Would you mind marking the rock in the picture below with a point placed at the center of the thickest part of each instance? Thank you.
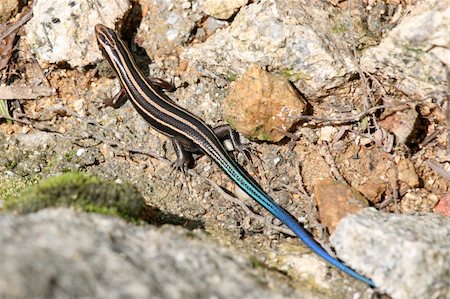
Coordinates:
(407, 173)
(300, 265)
(59, 253)
(407, 256)
(327, 133)
(418, 200)
(63, 31)
(7, 9)
(373, 190)
(35, 140)
(443, 206)
(335, 201)
(222, 9)
(279, 35)
(262, 106)
(166, 26)
(415, 54)
(400, 123)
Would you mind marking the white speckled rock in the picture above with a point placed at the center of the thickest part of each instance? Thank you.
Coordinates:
(166, 25)
(416, 52)
(276, 34)
(63, 30)
(407, 256)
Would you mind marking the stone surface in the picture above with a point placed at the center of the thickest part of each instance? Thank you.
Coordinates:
(63, 31)
(279, 35)
(262, 106)
(7, 9)
(59, 253)
(373, 190)
(222, 9)
(407, 256)
(418, 200)
(407, 173)
(415, 53)
(335, 201)
(400, 123)
(443, 206)
(166, 26)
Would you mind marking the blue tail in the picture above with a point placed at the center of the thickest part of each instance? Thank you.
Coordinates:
(249, 186)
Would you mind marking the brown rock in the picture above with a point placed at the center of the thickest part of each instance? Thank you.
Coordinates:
(443, 206)
(373, 190)
(7, 9)
(407, 173)
(262, 106)
(400, 123)
(336, 200)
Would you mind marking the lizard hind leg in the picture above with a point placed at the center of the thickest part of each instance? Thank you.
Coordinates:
(225, 132)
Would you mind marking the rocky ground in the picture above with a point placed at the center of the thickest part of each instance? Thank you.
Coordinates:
(345, 108)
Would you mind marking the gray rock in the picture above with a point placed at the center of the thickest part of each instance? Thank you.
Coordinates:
(59, 253)
(63, 31)
(407, 256)
(277, 34)
(415, 53)
(166, 26)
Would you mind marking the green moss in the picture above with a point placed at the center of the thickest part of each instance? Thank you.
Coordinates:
(230, 77)
(232, 122)
(12, 187)
(83, 192)
(261, 134)
(10, 164)
(292, 75)
(412, 49)
(69, 155)
(255, 262)
(51, 163)
(339, 28)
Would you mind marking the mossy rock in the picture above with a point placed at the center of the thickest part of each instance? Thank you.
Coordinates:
(82, 192)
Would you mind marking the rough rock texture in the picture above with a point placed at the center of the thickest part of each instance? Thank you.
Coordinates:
(407, 256)
(277, 34)
(336, 200)
(63, 30)
(7, 9)
(415, 53)
(166, 25)
(221, 9)
(400, 123)
(59, 253)
(263, 106)
(443, 206)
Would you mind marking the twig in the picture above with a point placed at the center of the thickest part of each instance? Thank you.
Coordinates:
(394, 197)
(447, 115)
(353, 118)
(438, 168)
(25, 92)
(340, 133)
(430, 138)
(324, 151)
(25, 18)
(366, 89)
(131, 149)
